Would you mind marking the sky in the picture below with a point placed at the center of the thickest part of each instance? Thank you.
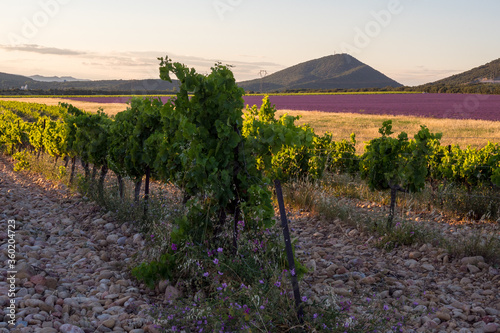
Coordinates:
(411, 41)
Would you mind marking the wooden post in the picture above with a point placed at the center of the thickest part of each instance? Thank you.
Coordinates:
(137, 190)
(146, 191)
(41, 139)
(289, 252)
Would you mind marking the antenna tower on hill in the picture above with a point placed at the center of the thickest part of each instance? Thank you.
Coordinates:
(262, 74)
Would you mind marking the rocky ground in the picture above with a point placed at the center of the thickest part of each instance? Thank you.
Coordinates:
(71, 276)
(419, 288)
(70, 260)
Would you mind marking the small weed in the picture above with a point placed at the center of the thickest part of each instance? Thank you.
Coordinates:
(301, 194)
(62, 172)
(404, 233)
(476, 244)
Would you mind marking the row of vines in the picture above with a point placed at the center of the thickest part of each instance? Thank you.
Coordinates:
(224, 158)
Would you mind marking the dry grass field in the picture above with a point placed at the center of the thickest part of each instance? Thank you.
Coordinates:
(475, 133)
(109, 108)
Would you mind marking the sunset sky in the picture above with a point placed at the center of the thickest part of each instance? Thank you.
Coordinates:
(411, 41)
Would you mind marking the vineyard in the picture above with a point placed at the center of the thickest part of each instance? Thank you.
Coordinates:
(149, 139)
(224, 159)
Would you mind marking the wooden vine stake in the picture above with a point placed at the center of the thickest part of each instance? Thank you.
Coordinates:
(289, 252)
(41, 140)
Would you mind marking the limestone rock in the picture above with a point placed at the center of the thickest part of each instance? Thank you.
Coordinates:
(172, 293)
(68, 328)
(24, 270)
(491, 328)
(110, 323)
(472, 260)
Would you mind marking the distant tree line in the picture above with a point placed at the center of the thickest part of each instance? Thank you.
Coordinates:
(479, 88)
(71, 92)
(336, 90)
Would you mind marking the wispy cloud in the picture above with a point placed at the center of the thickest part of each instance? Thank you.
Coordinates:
(147, 60)
(424, 71)
(33, 48)
(135, 65)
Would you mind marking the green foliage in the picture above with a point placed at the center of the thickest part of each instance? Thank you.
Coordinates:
(71, 110)
(282, 149)
(423, 152)
(338, 157)
(202, 150)
(74, 120)
(495, 176)
(399, 164)
(88, 137)
(37, 132)
(22, 161)
(62, 172)
(31, 112)
(14, 132)
(119, 133)
(154, 271)
(492, 165)
(390, 162)
(209, 122)
(97, 128)
(54, 138)
(384, 160)
(131, 151)
(472, 167)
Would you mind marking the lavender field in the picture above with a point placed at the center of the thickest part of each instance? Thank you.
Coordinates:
(454, 106)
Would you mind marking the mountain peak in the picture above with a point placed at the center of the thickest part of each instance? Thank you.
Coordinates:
(55, 78)
(337, 71)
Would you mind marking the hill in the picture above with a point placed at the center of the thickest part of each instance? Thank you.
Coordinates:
(54, 78)
(124, 86)
(488, 73)
(484, 79)
(10, 83)
(340, 71)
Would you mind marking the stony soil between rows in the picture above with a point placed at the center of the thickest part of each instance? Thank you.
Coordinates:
(419, 289)
(72, 270)
(71, 260)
